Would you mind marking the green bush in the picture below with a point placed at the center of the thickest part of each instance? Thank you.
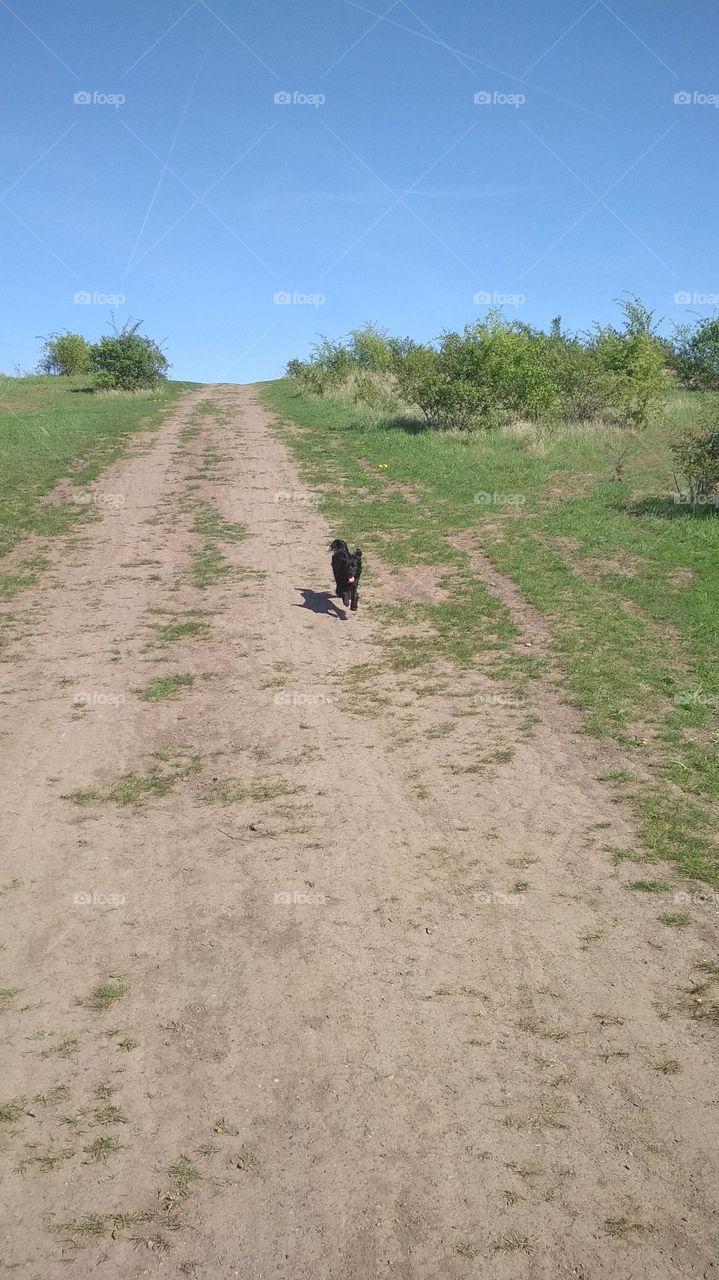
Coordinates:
(498, 369)
(697, 354)
(127, 360)
(696, 453)
(66, 354)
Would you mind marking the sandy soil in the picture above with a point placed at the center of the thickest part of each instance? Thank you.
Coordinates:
(389, 1007)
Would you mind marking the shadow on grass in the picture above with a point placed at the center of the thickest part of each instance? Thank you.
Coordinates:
(669, 508)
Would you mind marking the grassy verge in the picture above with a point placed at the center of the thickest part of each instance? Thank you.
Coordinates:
(52, 428)
(626, 578)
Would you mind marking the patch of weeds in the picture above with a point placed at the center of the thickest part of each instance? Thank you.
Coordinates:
(537, 1026)
(245, 1160)
(163, 687)
(93, 1226)
(167, 633)
(708, 1012)
(110, 1115)
(105, 995)
(466, 1250)
(589, 936)
(67, 1048)
(128, 1044)
(233, 791)
(441, 730)
(134, 789)
(608, 1019)
(103, 1147)
(513, 1243)
(211, 524)
(618, 854)
(12, 1110)
(675, 919)
(46, 1161)
(620, 1228)
(649, 886)
(520, 886)
(616, 775)
(710, 967)
(7, 996)
(208, 567)
(668, 1066)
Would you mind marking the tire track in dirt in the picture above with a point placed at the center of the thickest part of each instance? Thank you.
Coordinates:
(376, 1053)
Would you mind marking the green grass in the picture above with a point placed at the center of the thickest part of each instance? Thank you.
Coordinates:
(189, 625)
(135, 789)
(106, 994)
(52, 428)
(163, 687)
(625, 578)
(211, 524)
(208, 567)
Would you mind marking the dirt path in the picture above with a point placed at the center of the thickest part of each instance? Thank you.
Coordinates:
(363, 1012)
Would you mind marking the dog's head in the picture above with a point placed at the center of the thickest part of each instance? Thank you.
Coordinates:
(354, 565)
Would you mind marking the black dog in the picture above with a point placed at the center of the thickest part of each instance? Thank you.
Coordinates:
(347, 567)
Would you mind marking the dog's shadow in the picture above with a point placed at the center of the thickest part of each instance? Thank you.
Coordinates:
(320, 602)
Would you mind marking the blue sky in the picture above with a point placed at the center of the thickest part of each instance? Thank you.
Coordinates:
(381, 191)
